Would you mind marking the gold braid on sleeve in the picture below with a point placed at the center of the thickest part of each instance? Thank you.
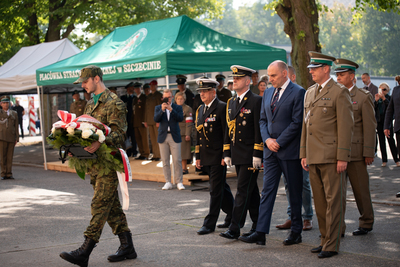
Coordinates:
(200, 127)
(231, 123)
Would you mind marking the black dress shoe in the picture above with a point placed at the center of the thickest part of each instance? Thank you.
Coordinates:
(3, 178)
(204, 230)
(293, 238)
(316, 250)
(230, 234)
(398, 194)
(155, 159)
(12, 178)
(326, 254)
(141, 158)
(362, 231)
(257, 238)
(223, 225)
(249, 233)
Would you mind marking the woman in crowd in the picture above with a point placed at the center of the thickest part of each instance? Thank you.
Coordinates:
(186, 127)
(382, 99)
(262, 85)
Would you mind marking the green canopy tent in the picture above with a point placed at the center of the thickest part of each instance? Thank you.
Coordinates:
(161, 48)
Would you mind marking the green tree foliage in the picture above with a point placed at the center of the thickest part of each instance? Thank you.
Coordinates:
(371, 40)
(380, 42)
(380, 5)
(338, 36)
(30, 22)
(251, 23)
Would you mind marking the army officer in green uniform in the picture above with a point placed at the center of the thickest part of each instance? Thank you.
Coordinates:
(325, 149)
(362, 145)
(9, 137)
(78, 106)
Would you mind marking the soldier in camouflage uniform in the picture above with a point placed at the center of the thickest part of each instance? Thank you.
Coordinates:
(106, 207)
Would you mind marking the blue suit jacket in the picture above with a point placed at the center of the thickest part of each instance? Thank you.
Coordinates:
(286, 122)
(175, 117)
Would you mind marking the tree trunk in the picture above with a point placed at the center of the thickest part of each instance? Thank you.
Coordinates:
(32, 29)
(55, 21)
(300, 18)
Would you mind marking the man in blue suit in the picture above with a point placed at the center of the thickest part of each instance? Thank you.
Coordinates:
(169, 139)
(280, 125)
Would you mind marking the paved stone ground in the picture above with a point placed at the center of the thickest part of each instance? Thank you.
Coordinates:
(43, 213)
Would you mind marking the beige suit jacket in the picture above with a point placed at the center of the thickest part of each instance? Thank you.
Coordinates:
(327, 124)
(363, 141)
(9, 126)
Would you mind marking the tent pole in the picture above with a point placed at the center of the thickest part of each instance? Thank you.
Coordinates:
(167, 81)
(41, 126)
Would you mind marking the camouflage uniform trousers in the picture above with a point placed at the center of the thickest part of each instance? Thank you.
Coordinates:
(106, 207)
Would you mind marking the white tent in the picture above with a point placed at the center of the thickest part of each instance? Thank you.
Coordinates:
(19, 73)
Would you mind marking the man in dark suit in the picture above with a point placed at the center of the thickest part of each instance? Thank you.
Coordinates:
(211, 127)
(243, 147)
(181, 81)
(280, 124)
(369, 86)
(169, 139)
(128, 100)
(393, 111)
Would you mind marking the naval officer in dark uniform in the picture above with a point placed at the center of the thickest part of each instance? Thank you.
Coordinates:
(211, 128)
(243, 147)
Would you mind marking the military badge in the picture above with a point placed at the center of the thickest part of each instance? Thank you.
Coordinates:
(244, 123)
(324, 110)
(234, 70)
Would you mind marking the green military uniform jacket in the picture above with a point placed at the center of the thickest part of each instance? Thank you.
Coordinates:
(78, 107)
(111, 111)
(139, 109)
(327, 124)
(364, 132)
(9, 126)
(153, 100)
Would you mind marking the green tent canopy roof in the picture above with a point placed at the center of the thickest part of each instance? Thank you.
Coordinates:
(158, 48)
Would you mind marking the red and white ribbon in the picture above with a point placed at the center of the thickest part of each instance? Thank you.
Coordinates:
(67, 120)
(123, 178)
(70, 120)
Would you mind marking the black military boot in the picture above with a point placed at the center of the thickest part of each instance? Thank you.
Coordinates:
(81, 255)
(126, 250)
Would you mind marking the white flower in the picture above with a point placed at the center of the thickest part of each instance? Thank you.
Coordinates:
(70, 130)
(86, 133)
(86, 126)
(53, 130)
(101, 135)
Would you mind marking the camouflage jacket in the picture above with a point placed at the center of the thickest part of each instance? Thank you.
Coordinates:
(111, 111)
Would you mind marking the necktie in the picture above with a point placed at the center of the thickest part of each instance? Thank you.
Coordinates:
(205, 110)
(319, 89)
(275, 100)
